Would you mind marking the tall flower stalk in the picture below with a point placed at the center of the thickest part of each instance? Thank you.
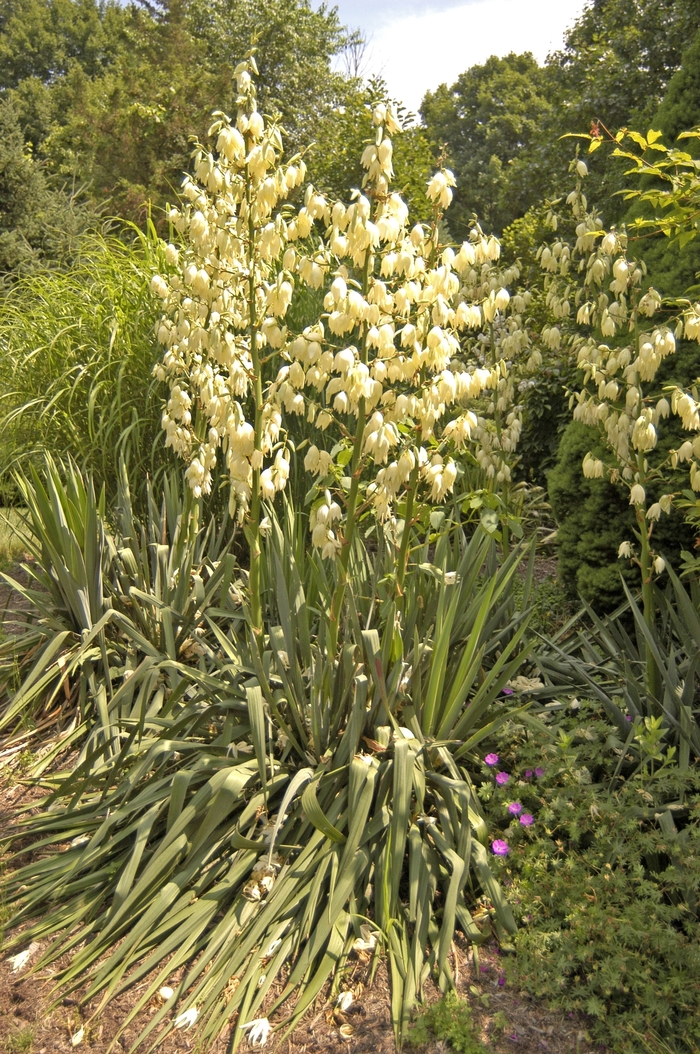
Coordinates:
(619, 350)
(397, 379)
(390, 370)
(225, 300)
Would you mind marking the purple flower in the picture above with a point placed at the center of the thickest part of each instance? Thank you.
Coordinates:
(499, 847)
(501, 980)
(506, 691)
(526, 819)
(539, 772)
(528, 774)
(515, 808)
(491, 759)
(628, 717)
(502, 778)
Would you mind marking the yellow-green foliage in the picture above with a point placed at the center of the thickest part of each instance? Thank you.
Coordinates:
(77, 350)
(12, 536)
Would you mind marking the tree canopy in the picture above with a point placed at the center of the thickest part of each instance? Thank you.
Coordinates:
(111, 96)
(487, 120)
(501, 123)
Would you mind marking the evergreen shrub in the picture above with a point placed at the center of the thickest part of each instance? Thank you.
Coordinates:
(593, 515)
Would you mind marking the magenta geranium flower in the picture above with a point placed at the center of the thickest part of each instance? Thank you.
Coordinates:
(515, 808)
(500, 847)
(528, 774)
(502, 778)
(539, 772)
(491, 759)
(526, 819)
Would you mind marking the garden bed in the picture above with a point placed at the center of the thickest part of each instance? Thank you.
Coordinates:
(503, 1018)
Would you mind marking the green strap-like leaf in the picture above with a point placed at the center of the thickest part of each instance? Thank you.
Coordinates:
(256, 712)
(316, 815)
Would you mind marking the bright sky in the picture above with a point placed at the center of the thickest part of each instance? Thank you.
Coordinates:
(416, 45)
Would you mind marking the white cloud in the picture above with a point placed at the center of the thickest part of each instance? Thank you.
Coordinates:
(415, 53)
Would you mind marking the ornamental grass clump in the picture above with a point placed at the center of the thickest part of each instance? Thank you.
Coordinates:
(77, 350)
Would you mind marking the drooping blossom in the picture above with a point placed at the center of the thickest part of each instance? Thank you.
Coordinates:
(20, 960)
(187, 1018)
(344, 1000)
(259, 1032)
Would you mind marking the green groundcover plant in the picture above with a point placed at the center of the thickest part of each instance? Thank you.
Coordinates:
(449, 1020)
(603, 872)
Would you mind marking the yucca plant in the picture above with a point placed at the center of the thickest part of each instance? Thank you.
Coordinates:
(266, 817)
(607, 656)
(115, 610)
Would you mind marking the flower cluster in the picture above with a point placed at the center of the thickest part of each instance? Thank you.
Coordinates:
(595, 278)
(502, 341)
(409, 363)
(500, 846)
(225, 298)
(386, 364)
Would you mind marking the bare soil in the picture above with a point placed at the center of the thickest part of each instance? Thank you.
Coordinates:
(512, 1022)
(14, 608)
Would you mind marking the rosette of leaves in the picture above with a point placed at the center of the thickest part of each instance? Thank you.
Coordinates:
(113, 612)
(252, 838)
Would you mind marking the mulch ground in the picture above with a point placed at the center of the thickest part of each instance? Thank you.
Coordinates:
(13, 606)
(34, 1021)
(512, 1022)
